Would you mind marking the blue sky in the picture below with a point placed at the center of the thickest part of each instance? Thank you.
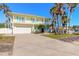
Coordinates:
(40, 9)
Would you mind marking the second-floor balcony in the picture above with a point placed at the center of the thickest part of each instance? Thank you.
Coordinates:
(28, 22)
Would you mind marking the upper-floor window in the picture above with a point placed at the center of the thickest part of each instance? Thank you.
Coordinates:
(17, 17)
(42, 20)
(39, 20)
(47, 19)
(29, 18)
(33, 19)
(20, 19)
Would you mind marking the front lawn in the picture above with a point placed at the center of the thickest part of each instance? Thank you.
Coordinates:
(6, 38)
(59, 36)
(7, 44)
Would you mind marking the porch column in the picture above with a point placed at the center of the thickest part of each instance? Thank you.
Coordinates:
(34, 24)
(12, 25)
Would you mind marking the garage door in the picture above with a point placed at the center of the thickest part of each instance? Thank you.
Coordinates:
(21, 30)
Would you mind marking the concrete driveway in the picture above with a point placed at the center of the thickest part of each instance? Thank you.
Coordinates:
(36, 45)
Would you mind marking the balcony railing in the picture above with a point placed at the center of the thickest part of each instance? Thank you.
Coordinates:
(29, 22)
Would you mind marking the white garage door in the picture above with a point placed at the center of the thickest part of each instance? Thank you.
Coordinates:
(21, 30)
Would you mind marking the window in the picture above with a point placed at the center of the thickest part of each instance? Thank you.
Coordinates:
(42, 20)
(33, 19)
(17, 17)
(28, 18)
(20, 19)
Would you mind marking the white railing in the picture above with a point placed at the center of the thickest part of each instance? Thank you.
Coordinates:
(5, 31)
(15, 30)
(30, 22)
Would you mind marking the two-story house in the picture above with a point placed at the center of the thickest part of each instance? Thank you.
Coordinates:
(25, 23)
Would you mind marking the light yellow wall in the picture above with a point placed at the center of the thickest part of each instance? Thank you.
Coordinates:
(27, 16)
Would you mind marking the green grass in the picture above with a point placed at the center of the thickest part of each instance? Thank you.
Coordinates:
(59, 36)
(6, 39)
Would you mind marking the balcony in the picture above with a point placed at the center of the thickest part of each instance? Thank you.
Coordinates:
(29, 22)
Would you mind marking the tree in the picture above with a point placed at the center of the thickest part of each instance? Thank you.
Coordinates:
(59, 13)
(6, 11)
(55, 12)
(71, 7)
(64, 23)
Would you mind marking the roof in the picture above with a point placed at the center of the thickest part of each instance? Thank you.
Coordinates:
(26, 14)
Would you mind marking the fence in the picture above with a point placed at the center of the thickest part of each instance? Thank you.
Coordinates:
(5, 31)
(15, 30)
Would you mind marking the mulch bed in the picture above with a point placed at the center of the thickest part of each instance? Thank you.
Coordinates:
(70, 39)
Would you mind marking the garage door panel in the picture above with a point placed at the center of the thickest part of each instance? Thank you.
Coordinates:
(22, 30)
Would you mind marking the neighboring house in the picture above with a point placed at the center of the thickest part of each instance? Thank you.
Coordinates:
(25, 23)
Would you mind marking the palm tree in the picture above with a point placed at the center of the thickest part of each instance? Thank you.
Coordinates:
(53, 13)
(6, 11)
(71, 7)
(64, 22)
(56, 12)
(59, 11)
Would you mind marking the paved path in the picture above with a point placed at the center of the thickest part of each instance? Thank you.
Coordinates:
(36, 45)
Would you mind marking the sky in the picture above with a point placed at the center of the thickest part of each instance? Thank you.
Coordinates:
(40, 9)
